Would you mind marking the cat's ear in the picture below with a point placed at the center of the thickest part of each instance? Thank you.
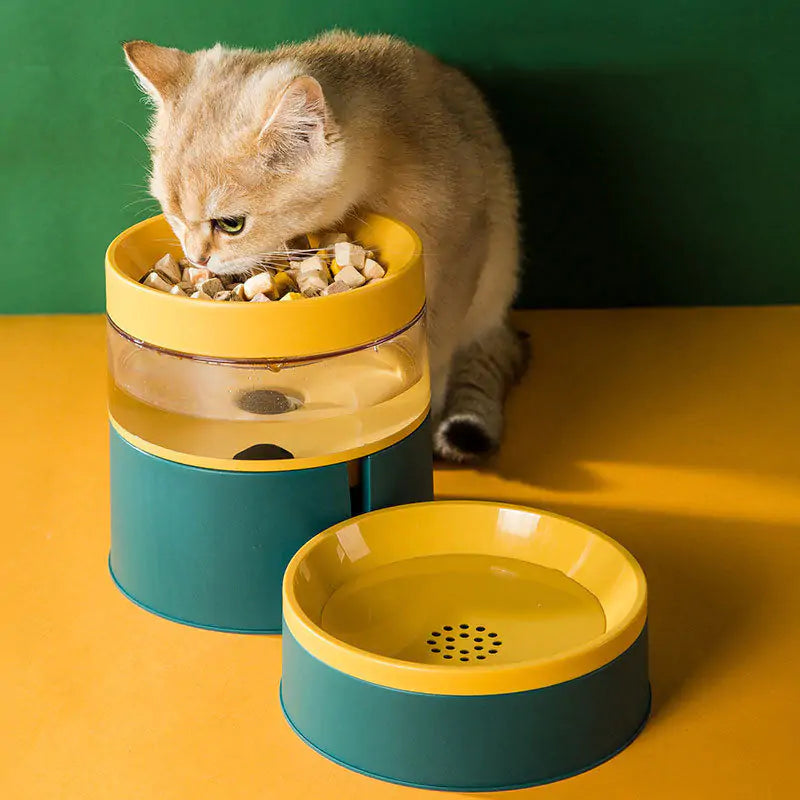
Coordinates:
(299, 119)
(160, 70)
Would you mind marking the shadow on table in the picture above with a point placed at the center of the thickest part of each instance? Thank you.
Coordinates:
(674, 389)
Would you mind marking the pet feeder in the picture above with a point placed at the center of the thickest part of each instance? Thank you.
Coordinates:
(239, 431)
(465, 646)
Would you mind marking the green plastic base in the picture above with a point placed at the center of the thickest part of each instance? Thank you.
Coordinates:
(467, 743)
(157, 613)
(208, 547)
(508, 788)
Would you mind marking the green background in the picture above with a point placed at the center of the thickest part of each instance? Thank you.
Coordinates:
(656, 140)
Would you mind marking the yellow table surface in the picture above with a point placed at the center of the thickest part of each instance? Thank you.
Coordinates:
(675, 431)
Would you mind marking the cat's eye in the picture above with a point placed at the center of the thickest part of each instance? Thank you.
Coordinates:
(229, 225)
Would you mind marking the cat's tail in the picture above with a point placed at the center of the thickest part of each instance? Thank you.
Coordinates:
(471, 426)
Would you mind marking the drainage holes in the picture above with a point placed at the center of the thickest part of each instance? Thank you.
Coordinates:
(446, 642)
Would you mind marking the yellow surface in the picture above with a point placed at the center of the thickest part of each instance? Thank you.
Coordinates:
(277, 465)
(674, 431)
(264, 330)
(386, 596)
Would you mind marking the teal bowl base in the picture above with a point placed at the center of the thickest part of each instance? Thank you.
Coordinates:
(188, 622)
(468, 743)
(208, 548)
(438, 788)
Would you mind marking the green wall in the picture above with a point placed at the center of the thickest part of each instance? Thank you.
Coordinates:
(656, 140)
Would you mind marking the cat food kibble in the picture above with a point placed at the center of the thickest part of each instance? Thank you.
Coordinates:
(211, 286)
(168, 268)
(336, 265)
(312, 265)
(351, 276)
(336, 287)
(155, 281)
(373, 270)
(348, 254)
(261, 283)
(194, 275)
(311, 283)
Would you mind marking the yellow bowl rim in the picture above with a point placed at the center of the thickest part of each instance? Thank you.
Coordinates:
(477, 680)
(268, 331)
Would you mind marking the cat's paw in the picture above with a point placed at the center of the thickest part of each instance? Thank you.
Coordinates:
(463, 439)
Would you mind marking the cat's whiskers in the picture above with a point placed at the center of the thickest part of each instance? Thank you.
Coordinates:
(138, 201)
(143, 213)
(133, 130)
(271, 260)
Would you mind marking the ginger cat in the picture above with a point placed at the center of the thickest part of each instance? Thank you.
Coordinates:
(250, 149)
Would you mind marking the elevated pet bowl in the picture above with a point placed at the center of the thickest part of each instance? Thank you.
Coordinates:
(465, 646)
(212, 489)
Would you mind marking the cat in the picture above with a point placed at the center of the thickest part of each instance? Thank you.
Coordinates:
(250, 149)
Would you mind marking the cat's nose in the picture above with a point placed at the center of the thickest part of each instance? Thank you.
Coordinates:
(201, 260)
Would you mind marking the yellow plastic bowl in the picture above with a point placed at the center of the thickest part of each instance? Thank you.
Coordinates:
(534, 598)
(323, 325)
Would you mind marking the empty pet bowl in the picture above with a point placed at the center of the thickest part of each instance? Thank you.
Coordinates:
(465, 646)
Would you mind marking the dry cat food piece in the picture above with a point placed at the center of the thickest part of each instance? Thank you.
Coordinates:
(168, 268)
(338, 265)
(348, 254)
(336, 288)
(373, 271)
(311, 283)
(351, 276)
(195, 275)
(211, 286)
(155, 281)
(262, 283)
